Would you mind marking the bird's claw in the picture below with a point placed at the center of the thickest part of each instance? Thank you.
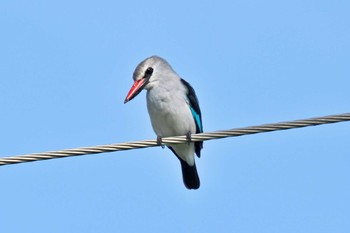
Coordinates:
(189, 137)
(160, 141)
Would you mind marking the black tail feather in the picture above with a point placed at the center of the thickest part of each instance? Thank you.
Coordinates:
(190, 175)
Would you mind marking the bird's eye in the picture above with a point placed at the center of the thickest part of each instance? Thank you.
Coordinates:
(149, 71)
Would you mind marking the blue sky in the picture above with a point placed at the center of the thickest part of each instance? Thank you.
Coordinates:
(66, 67)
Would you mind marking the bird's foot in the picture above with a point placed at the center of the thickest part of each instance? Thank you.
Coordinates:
(160, 141)
(189, 137)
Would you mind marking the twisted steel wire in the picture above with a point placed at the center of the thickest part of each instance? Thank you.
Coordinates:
(176, 140)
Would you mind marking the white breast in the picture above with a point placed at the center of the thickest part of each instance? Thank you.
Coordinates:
(169, 112)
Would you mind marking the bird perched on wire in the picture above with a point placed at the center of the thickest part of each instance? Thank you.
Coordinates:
(174, 110)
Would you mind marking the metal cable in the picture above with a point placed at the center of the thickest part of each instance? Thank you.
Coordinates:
(176, 140)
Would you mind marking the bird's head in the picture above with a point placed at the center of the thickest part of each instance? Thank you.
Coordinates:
(147, 74)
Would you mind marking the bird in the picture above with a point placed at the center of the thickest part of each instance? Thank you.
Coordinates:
(174, 110)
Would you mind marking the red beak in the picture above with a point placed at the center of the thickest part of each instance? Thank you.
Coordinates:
(135, 89)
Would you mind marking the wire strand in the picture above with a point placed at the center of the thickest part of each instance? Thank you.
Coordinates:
(175, 140)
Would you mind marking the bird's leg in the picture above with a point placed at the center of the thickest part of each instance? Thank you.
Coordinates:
(188, 137)
(160, 141)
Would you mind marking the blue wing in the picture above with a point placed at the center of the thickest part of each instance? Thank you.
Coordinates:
(197, 119)
(196, 113)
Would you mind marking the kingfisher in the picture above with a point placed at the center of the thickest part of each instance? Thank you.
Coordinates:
(173, 109)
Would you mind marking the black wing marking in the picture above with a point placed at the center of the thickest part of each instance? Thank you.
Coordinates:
(194, 105)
